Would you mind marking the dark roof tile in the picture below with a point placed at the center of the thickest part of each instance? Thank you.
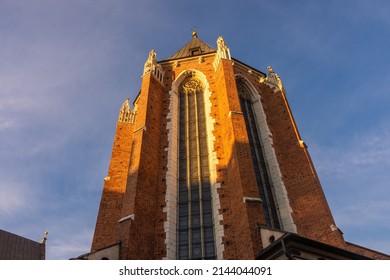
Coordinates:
(191, 49)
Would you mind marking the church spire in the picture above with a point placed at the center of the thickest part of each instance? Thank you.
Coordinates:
(195, 47)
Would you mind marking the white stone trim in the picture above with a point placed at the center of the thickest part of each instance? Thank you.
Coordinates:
(275, 175)
(234, 113)
(251, 199)
(171, 176)
(128, 217)
(140, 128)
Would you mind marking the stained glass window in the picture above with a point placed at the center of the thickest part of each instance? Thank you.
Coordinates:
(195, 224)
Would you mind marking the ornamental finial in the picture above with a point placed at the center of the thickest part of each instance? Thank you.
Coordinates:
(44, 238)
(125, 113)
(194, 32)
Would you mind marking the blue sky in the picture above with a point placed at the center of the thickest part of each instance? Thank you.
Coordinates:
(67, 66)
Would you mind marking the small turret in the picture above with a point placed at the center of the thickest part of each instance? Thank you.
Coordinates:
(223, 52)
(125, 113)
(151, 66)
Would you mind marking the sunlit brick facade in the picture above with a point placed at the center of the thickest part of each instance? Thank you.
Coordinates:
(209, 155)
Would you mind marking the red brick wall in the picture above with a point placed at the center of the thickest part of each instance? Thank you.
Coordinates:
(311, 212)
(141, 195)
(106, 230)
(242, 238)
(143, 161)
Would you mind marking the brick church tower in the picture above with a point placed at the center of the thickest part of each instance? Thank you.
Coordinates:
(207, 162)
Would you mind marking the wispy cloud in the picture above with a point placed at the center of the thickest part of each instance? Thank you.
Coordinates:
(365, 213)
(362, 151)
(6, 124)
(16, 198)
(354, 174)
(66, 67)
(68, 240)
(366, 222)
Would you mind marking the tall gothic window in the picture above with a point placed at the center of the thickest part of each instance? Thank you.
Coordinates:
(259, 163)
(195, 225)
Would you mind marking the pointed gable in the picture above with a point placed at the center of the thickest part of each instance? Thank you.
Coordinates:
(192, 48)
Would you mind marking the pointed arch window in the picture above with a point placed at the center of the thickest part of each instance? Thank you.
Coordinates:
(195, 232)
(259, 162)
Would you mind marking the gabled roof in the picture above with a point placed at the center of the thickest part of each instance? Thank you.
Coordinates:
(192, 48)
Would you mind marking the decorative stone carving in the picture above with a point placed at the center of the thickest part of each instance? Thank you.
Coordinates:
(262, 79)
(272, 76)
(273, 79)
(151, 66)
(150, 62)
(190, 73)
(125, 113)
(191, 85)
(223, 52)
